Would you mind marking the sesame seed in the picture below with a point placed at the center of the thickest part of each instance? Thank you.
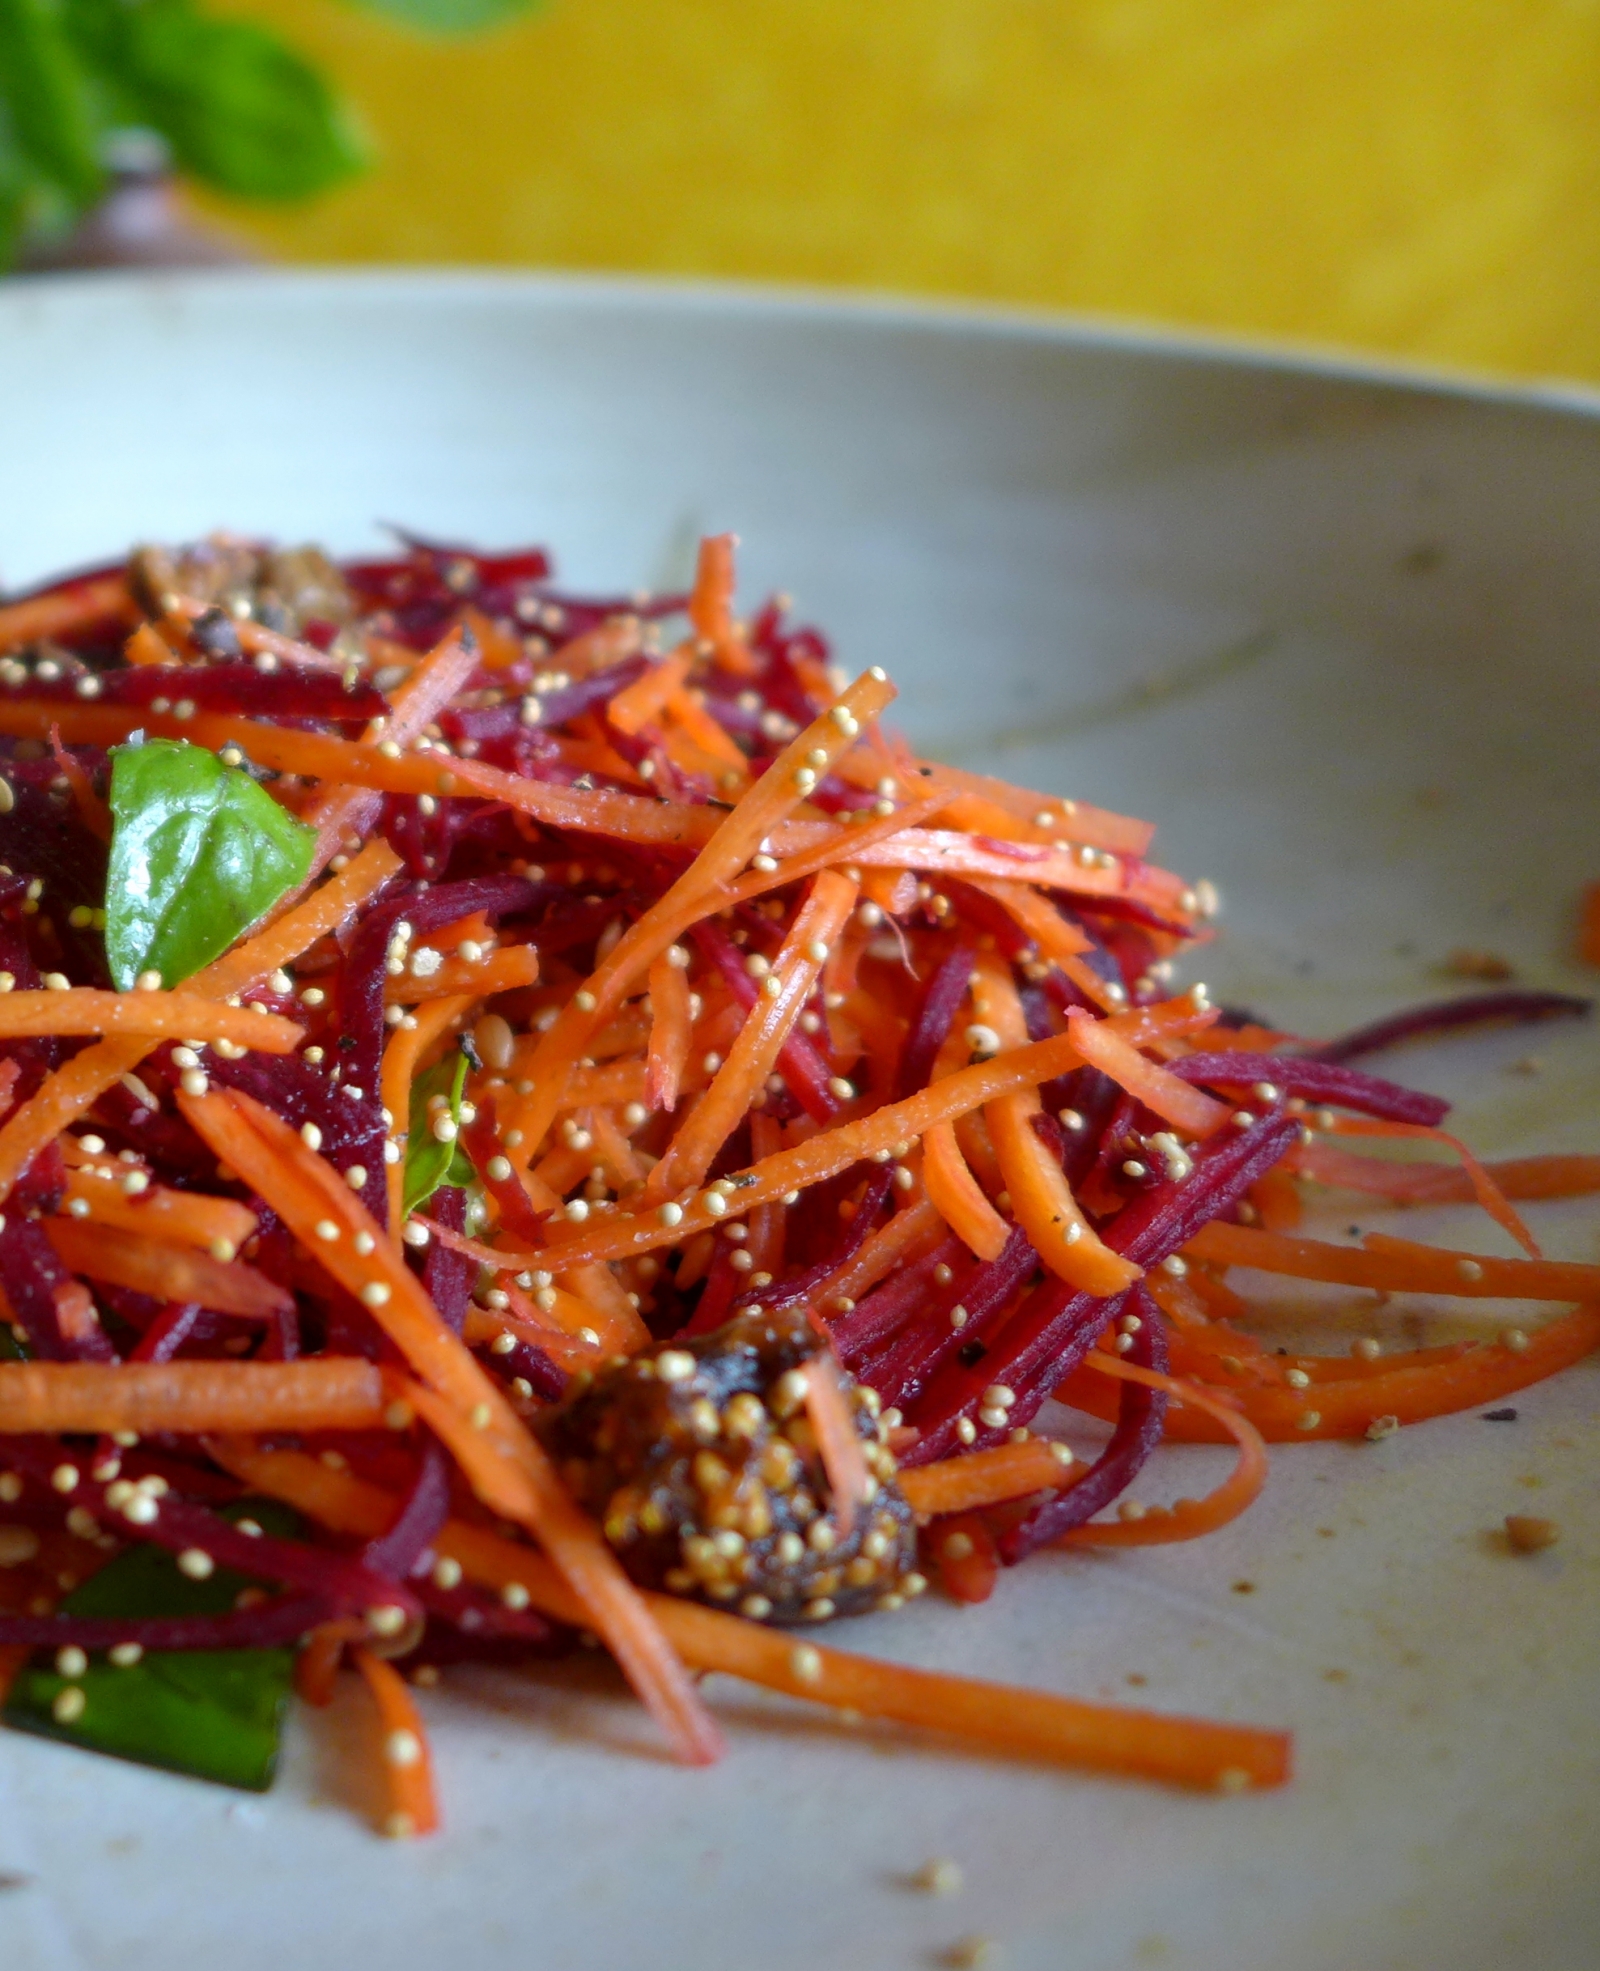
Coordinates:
(1297, 1378)
(68, 1705)
(123, 1656)
(805, 1663)
(480, 1416)
(1469, 1269)
(402, 1748)
(356, 1176)
(515, 1596)
(196, 1563)
(376, 1293)
(1308, 1420)
(65, 1478)
(193, 1081)
(1515, 1340)
(364, 1243)
(71, 1661)
(1233, 1779)
(387, 1619)
(148, 982)
(1382, 1427)
(311, 1136)
(447, 1573)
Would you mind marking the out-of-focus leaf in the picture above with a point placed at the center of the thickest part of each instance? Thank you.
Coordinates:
(242, 111)
(449, 16)
(47, 100)
(214, 1713)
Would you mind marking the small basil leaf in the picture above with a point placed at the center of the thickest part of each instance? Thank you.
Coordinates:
(198, 853)
(215, 1714)
(449, 16)
(430, 1163)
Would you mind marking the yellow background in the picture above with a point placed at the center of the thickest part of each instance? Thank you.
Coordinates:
(1418, 177)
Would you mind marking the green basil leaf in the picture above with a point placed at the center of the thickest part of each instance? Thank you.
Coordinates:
(215, 1714)
(198, 853)
(48, 99)
(449, 16)
(242, 110)
(430, 1163)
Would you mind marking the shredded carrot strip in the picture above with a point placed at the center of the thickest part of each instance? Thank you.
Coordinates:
(255, 639)
(504, 970)
(1037, 915)
(563, 1342)
(1041, 1197)
(1437, 1183)
(158, 1015)
(316, 1668)
(320, 1393)
(912, 1233)
(1023, 1724)
(754, 1054)
(686, 710)
(988, 1478)
(1395, 1266)
(1189, 1518)
(148, 649)
(969, 1561)
(1174, 1100)
(1464, 1380)
(66, 611)
(638, 704)
(406, 1760)
(957, 1196)
(164, 1271)
(187, 1217)
(838, 1444)
(670, 1032)
(711, 605)
(1277, 1200)
(1075, 820)
(1485, 1189)
(507, 1466)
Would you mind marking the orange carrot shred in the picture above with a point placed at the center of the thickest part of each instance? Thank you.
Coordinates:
(407, 1763)
(838, 1445)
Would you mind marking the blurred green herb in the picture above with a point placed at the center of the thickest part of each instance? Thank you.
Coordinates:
(215, 1713)
(240, 110)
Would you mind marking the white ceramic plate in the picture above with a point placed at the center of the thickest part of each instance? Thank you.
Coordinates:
(1336, 633)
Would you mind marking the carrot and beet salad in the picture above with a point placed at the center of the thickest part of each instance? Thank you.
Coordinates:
(526, 1116)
